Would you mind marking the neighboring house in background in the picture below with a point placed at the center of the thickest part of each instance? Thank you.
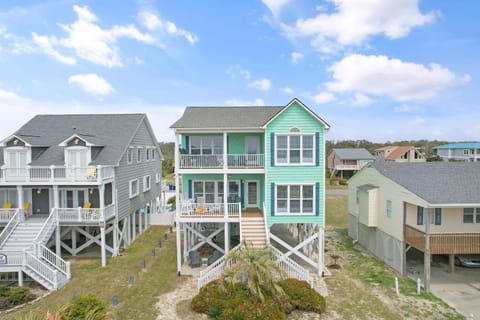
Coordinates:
(432, 207)
(462, 151)
(71, 181)
(245, 171)
(344, 162)
(399, 154)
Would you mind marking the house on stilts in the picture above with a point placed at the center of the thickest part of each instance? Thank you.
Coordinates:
(255, 174)
(71, 183)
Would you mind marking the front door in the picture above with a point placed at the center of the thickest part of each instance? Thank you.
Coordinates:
(252, 194)
(72, 198)
(40, 201)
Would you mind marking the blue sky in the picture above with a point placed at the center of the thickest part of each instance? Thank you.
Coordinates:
(373, 69)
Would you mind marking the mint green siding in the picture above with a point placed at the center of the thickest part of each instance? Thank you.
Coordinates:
(295, 116)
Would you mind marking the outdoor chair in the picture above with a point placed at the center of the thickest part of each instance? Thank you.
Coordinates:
(194, 259)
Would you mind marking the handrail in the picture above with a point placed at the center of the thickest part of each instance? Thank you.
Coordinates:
(53, 259)
(291, 268)
(215, 269)
(267, 233)
(85, 215)
(42, 269)
(47, 228)
(11, 225)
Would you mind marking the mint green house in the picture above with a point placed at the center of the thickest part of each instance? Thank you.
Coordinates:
(253, 174)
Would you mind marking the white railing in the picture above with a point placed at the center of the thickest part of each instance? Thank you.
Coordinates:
(267, 232)
(47, 229)
(245, 161)
(41, 269)
(347, 167)
(198, 161)
(209, 210)
(7, 214)
(215, 269)
(13, 258)
(85, 215)
(291, 268)
(52, 174)
(53, 259)
(11, 225)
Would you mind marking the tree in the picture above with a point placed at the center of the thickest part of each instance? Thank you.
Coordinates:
(256, 268)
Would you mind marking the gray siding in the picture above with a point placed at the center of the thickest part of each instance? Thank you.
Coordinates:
(137, 170)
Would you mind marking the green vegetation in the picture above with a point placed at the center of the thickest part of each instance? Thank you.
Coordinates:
(13, 296)
(136, 301)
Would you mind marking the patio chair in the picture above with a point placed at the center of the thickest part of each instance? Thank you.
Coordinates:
(92, 173)
(194, 259)
(7, 205)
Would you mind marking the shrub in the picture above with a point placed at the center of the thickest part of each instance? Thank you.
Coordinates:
(333, 181)
(88, 306)
(302, 296)
(342, 182)
(171, 201)
(12, 296)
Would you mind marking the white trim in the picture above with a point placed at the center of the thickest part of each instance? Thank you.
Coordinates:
(313, 213)
(130, 194)
(256, 205)
(325, 124)
(144, 182)
(4, 141)
(64, 142)
(301, 135)
(130, 149)
(139, 155)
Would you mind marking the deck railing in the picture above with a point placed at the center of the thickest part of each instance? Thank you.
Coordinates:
(7, 214)
(85, 215)
(214, 270)
(444, 242)
(188, 209)
(50, 174)
(11, 225)
(212, 161)
(11, 258)
(291, 268)
(348, 167)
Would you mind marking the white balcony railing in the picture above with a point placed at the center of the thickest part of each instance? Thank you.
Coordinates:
(51, 174)
(188, 209)
(6, 214)
(212, 161)
(85, 215)
(348, 167)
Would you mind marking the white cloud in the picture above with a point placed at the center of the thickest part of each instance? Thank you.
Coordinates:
(275, 6)
(361, 99)
(8, 97)
(89, 41)
(237, 71)
(466, 78)
(288, 90)
(380, 75)
(324, 97)
(296, 57)
(239, 102)
(14, 43)
(261, 84)
(355, 21)
(404, 108)
(91, 83)
(153, 23)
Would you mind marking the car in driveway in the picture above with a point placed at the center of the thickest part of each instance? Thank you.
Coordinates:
(468, 260)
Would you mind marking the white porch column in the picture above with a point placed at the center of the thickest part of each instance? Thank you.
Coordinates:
(58, 244)
(104, 253)
(20, 196)
(225, 151)
(141, 213)
(129, 229)
(186, 242)
(101, 197)
(320, 250)
(177, 202)
(20, 278)
(227, 237)
(134, 226)
(115, 237)
(74, 242)
(426, 253)
(56, 197)
(225, 195)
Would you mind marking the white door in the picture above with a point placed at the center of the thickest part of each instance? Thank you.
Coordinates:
(17, 163)
(72, 198)
(252, 150)
(252, 194)
(77, 163)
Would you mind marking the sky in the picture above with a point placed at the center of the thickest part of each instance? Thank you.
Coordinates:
(380, 70)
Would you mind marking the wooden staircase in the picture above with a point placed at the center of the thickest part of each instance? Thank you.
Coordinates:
(253, 230)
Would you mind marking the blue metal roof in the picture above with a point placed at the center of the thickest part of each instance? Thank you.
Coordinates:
(460, 145)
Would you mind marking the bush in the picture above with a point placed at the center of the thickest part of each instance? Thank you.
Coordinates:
(12, 296)
(302, 296)
(252, 310)
(171, 201)
(333, 181)
(342, 182)
(88, 306)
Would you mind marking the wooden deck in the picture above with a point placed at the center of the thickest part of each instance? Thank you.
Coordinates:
(444, 243)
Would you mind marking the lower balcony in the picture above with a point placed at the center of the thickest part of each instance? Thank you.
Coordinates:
(80, 215)
(212, 161)
(190, 211)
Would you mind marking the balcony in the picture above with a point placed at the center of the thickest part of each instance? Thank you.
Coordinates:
(445, 242)
(196, 211)
(56, 174)
(84, 216)
(216, 161)
(339, 167)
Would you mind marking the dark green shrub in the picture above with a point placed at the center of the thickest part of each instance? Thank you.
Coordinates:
(87, 306)
(12, 296)
(252, 310)
(302, 296)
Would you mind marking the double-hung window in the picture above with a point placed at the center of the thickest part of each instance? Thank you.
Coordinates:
(295, 148)
(130, 155)
(438, 217)
(133, 188)
(419, 215)
(471, 215)
(146, 183)
(389, 209)
(139, 154)
(205, 145)
(295, 199)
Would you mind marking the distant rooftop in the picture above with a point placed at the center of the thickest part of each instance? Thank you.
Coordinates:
(353, 154)
(460, 145)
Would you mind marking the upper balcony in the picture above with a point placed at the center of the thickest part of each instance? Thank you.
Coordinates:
(217, 161)
(56, 174)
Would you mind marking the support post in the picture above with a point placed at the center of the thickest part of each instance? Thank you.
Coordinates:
(58, 243)
(451, 260)
(225, 155)
(134, 226)
(320, 250)
(20, 198)
(178, 204)
(426, 255)
(104, 254)
(115, 236)
(225, 196)
(179, 249)
(141, 213)
(74, 242)
(20, 278)
(227, 238)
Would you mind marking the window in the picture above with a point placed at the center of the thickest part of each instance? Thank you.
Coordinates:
(133, 188)
(206, 145)
(389, 208)
(139, 154)
(147, 154)
(212, 189)
(146, 183)
(130, 155)
(419, 216)
(295, 199)
(471, 215)
(294, 149)
(438, 217)
(157, 177)
(153, 154)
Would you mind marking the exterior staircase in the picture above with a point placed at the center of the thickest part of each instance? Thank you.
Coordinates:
(253, 231)
(22, 248)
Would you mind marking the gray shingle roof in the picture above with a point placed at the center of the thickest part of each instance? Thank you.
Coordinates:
(353, 154)
(225, 117)
(436, 182)
(112, 132)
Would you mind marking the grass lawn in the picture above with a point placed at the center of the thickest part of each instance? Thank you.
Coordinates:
(136, 301)
(363, 287)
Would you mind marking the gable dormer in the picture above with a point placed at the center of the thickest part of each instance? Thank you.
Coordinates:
(16, 152)
(77, 151)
